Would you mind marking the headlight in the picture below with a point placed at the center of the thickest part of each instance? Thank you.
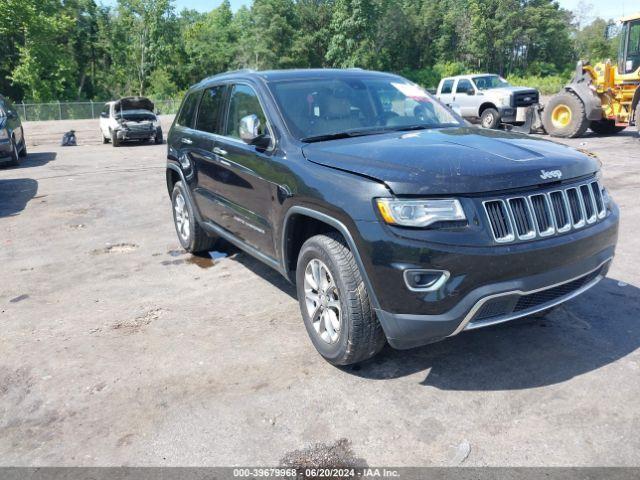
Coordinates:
(505, 101)
(419, 213)
(4, 134)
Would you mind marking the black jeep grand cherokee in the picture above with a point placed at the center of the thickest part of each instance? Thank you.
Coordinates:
(395, 219)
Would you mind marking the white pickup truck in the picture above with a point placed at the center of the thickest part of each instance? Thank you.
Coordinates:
(487, 97)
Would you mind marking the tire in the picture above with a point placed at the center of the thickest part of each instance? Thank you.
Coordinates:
(23, 151)
(490, 118)
(191, 235)
(105, 140)
(15, 156)
(564, 116)
(114, 140)
(605, 127)
(159, 139)
(350, 333)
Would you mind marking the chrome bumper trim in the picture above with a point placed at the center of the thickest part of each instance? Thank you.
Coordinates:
(466, 325)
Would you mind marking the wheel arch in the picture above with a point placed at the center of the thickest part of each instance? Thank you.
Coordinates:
(301, 223)
(484, 106)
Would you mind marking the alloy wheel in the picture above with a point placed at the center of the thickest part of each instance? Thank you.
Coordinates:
(322, 299)
(183, 222)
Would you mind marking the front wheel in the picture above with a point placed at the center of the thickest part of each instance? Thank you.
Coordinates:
(490, 118)
(114, 139)
(564, 116)
(159, 139)
(334, 302)
(15, 156)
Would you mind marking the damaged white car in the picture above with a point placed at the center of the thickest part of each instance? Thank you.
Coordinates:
(130, 118)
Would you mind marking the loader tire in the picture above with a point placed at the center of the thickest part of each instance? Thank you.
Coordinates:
(564, 116)
(605, 127)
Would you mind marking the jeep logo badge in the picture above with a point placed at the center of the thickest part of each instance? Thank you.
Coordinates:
(546, 174)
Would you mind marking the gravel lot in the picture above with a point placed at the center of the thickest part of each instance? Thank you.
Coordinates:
(119, 349)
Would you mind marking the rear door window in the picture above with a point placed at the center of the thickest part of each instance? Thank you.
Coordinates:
(188, 110)
(209, 110)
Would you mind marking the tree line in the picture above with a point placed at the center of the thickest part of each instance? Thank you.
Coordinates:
(80, 49)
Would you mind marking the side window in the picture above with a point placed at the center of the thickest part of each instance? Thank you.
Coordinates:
(464, 86)
(447, 87)
(242, 102)
(209, 110)
(188, 110)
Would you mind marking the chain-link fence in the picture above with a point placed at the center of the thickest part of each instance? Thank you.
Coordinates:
(79, 110)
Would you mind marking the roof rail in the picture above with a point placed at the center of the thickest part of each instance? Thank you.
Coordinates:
(230, 72)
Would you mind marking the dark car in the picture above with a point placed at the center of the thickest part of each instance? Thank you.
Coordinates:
(13, 145)
(395, 219)
(130, 118)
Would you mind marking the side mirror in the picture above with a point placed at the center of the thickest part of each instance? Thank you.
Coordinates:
(471, 93)
(158, 112)
(250, 131)
(104, 115)
(12, 114)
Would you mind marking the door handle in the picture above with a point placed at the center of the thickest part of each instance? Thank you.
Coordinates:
(187, 141)
(219, 151)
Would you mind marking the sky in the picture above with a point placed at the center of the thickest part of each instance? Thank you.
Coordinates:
(608, 9)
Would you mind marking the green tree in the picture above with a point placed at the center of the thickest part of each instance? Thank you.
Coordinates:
(353, 28)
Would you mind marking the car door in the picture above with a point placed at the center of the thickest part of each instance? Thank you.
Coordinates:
(464, 97)
(242, 171)
(446, 92)
(212, 175)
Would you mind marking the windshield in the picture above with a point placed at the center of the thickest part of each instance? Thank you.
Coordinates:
(319, 109)
(487, 82)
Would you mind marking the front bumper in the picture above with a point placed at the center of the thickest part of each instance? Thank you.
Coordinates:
(487, 285)
(128, 134)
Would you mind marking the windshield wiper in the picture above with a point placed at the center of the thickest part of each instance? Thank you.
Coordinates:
(345, 134)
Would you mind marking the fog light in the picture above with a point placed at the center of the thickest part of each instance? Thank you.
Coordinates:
(425, 280)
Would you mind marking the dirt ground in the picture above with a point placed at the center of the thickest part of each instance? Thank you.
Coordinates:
(117, 348)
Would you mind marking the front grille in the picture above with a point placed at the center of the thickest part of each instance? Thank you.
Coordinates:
(512, 304)
(524, 99)
(526, 217)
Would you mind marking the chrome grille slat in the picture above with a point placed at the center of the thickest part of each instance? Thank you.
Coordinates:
(540, 215)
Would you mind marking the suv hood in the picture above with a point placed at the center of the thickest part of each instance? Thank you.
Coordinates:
(452, 160)
(134, 103)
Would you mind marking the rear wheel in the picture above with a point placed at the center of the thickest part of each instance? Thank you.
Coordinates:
(605, 127)
(104, 139)
(564, 116)
(334, 302)
(114, 139)
(191, 235)
(490, 118)
(159, 139)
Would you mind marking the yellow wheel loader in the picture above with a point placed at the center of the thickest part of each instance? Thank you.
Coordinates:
(602, 97)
